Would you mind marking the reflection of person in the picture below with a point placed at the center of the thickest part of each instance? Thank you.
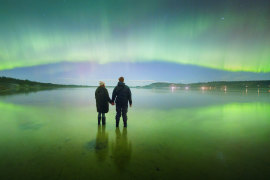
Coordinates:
(121, 150)
(102, 102)
(102, 140)
(122, 94)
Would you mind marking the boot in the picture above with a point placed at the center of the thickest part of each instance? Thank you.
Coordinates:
(117, 123)
(103, 120)
(125, 120)
(99, 118)
(125, 123)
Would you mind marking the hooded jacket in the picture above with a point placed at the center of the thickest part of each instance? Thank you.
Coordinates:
(122, 94)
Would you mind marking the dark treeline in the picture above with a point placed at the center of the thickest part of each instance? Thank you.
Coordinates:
(236, 84)
(12, 86)
(215, 85)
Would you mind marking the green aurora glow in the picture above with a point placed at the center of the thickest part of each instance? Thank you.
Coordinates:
(232, 36)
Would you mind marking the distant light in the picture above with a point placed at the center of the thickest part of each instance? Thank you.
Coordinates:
(173, 88)
(203, 88)
(186, 88)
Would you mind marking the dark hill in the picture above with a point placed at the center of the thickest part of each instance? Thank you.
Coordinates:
(12, 85)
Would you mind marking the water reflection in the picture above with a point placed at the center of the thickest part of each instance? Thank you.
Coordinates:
(121, 150)
(145, 98)
(101, 146)
(231, 132)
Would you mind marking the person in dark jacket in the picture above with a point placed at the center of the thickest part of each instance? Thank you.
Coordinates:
(121, 96)
(102, 102)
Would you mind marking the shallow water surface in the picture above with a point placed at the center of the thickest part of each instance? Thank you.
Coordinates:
(171, 134)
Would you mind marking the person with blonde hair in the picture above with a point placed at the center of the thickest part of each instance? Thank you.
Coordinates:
(102, 102)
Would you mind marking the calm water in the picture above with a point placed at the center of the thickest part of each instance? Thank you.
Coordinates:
(183, 134)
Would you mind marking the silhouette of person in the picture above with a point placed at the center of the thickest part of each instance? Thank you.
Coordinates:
(102, 102)
(122, 96)
(101, 146)
(121, 150)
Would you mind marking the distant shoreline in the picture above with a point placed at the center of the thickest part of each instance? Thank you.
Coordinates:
(214, 84)
(14, 86)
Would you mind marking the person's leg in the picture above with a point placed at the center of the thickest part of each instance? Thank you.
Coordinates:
(124, 115)
(118, 115)
(103, 119)
(99, 118)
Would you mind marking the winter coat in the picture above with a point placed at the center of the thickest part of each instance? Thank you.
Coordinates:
(102, 99)
(122, 94)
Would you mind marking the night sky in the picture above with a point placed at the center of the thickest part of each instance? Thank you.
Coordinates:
(218, 36)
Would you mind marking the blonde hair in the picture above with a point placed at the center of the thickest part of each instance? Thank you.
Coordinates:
(101, 83)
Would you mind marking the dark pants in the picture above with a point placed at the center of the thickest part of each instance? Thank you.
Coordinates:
(101, 114)
(121, 111)
(103, 118)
